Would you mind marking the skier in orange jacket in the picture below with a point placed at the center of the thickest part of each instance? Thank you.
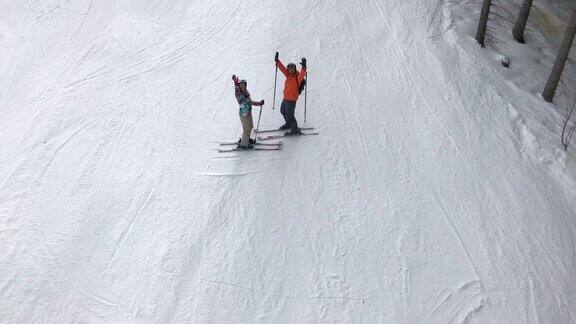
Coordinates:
(292, 86)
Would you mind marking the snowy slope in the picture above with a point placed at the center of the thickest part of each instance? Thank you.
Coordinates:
(437, 190)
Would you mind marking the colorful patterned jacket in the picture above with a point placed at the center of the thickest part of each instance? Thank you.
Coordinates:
(244, 101)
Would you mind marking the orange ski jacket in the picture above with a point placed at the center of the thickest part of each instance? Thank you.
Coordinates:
(292, 82)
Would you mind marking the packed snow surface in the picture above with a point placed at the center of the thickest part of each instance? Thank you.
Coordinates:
(437, 190)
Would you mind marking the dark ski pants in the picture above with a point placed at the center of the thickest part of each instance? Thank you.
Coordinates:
(287, 110)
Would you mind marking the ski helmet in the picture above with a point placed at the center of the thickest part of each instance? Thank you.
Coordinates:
(291, 66)
(243, 81)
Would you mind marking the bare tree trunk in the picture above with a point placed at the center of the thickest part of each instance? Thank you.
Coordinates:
(518, 31)
(483, 23)
(556, 73)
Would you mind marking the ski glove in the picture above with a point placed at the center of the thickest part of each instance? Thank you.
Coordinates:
(276, 57)
(303, 63)
(234, 78)
(261, 102)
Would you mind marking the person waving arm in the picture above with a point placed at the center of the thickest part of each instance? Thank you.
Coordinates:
(281, 66)
(302, 73)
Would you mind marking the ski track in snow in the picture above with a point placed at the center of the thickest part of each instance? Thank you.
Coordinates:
(430, 194)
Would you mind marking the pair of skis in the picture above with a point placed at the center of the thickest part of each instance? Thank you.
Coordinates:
(266, 146)
(256, 146)
(303, 130)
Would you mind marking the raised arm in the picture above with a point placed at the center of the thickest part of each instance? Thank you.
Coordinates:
(282, 68)
(302, 73)
(237, 89)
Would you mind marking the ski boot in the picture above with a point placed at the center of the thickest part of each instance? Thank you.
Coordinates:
(245, 147)
(284, 127)
(293, 132)
(252, 141)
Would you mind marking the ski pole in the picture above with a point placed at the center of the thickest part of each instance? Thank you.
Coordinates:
(258, 125)
(275, 78)
(305, 95)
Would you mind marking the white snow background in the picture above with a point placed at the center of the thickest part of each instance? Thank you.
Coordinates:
(437, 191)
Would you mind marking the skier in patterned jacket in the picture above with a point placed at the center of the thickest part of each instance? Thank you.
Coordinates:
(245, 104)
(292, 87)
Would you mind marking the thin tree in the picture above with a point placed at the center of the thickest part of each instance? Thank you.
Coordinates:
(518, 30)
(556, 73)
(483, 23)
